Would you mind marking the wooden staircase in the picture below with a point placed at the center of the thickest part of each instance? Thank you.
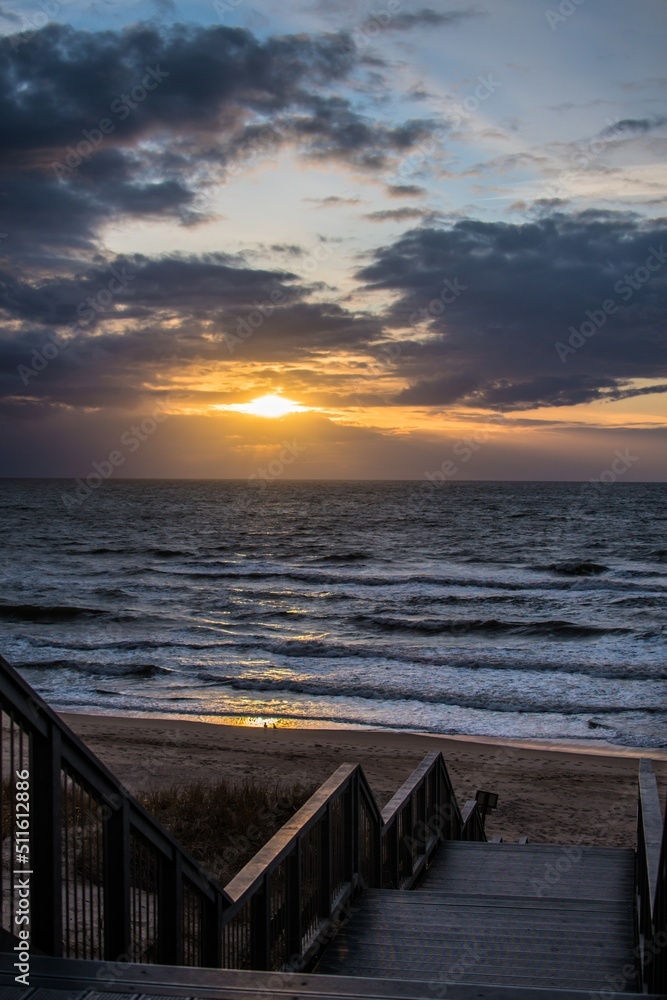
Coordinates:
(326, 909)
(502, 914)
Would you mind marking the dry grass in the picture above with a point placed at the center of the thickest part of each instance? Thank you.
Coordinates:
(223, 825)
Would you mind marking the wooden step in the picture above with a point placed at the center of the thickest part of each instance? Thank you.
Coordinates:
(477, 913)
(69, 979)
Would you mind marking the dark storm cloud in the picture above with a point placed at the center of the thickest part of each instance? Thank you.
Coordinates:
(66, 80)
(334, 130)
(495, 300)
(124, 322)
(78, 107)
(142, 287)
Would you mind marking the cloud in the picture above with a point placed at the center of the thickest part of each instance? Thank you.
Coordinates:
(635, 125)
(143, 122)
(396, 214)
(332, 201)
(492, 300)
(429, 18)
(405, 191)
(127, 322)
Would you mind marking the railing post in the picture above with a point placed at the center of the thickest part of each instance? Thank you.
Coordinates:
(351, 827)
(376, 864)
(325, 861)
(260, 928)
(117, 883)
(46, 845)
(355, 827)
(170, 911)
(293, 903)
(421, 821)
(405, 864)
(212, 933)
(391, 837)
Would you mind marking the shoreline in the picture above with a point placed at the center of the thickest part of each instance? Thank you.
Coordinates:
(550, 791)
(565, 745)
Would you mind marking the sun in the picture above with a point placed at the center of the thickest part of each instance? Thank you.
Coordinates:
(267, 406)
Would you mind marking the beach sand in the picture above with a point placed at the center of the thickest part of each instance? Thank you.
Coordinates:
(578, 793)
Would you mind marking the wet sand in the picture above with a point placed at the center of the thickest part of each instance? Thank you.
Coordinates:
(576, 793)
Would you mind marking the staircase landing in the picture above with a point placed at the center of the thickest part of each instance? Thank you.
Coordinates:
(515, 915)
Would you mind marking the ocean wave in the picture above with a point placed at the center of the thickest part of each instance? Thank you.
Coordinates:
(233, 651)
(483, 702)
(47, 614)
(76, 644)
(490, 626)
(637, 740)
(319, 578)
(99, 669)
(163, 553)
(344, 558)
(575, 568)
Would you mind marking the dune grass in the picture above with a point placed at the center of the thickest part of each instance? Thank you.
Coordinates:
(224, 824)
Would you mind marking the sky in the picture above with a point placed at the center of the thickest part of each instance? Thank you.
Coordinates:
(434, 236)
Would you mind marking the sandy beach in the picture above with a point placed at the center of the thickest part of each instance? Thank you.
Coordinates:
(578, 793)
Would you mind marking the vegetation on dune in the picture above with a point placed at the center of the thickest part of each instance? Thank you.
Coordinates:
(225, 823)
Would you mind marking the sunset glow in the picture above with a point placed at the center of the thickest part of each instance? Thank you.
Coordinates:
(381, 236)
(267, 406)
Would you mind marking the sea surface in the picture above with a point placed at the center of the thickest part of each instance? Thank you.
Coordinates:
(506, 609)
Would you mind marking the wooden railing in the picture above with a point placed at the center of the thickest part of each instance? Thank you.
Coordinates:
(289, 897)
(422, 814)
(651, 883)
(109, 882)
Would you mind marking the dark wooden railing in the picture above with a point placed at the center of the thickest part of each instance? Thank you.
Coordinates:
(422, 814)
(651, 883)
(108, 882)
(289, 897)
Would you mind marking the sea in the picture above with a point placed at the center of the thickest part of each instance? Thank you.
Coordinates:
(521, 610)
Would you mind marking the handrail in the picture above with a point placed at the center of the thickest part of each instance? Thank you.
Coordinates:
(421, 814)
(473, 823)
(108, 882)
(651, 883)
(291, 894)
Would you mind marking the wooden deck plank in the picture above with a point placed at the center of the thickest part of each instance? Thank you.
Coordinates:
(77, 980)
(490, 911)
